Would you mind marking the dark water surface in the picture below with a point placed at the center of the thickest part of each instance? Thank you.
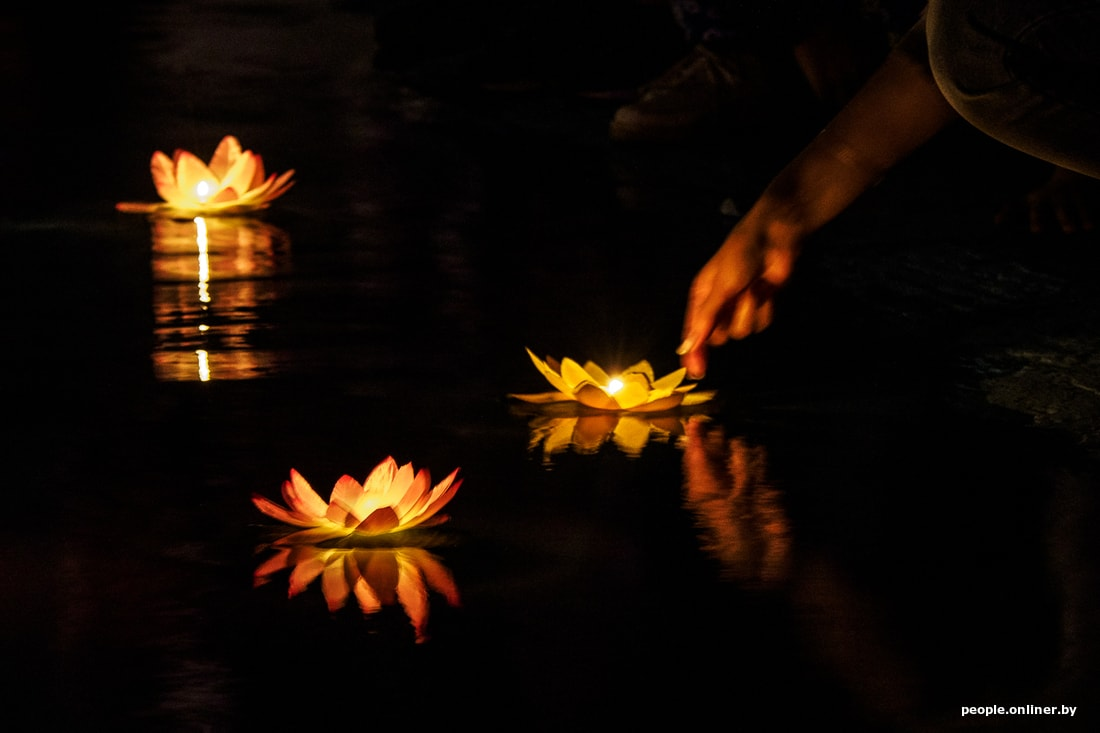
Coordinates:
(884, 516)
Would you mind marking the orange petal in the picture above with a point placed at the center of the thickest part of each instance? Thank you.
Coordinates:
(258, 174)
(670, 381)
(381, 477)
(634, 392)
(272, 509)
(190, 172)
(341, 505)
(440, 496)
(164, 176)
(225, 155)
(542, 398)
(574, 375)
(593, 396)
(641, 367)
(280, 185)
(596, 372)
(381, 520)
(301, 497)
(551, 372)
(415, 495)
(665, 403)
(241, 174)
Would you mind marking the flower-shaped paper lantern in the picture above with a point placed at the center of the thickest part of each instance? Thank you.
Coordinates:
(390, 500)
(634, 390)
(234, 182)
(377, 577)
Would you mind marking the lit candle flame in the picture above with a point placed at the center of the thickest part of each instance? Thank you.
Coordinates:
(614, 385)
(202, 191)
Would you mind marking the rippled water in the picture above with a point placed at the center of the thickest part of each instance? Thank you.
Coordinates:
(847, 536)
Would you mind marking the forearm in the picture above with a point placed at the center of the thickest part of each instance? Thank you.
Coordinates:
(899, 109)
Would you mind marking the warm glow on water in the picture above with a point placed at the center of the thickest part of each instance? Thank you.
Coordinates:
(203, 242)
(204, 365)
(212, 278)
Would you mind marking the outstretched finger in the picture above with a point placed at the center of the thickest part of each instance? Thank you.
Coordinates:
(698, 325)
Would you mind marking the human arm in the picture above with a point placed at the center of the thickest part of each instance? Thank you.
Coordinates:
(898, 110)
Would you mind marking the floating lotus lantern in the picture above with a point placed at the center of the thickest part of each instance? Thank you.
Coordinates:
(635, 389)
(234, 182)
(376, 577)
(392, 499)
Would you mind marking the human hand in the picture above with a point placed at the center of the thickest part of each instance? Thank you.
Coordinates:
(732, 295)
(1067, 200)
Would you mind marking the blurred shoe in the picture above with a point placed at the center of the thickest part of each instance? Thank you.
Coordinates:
(701, 90)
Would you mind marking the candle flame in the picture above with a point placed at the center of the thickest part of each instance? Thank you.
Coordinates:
(202, 191)
(614, 385)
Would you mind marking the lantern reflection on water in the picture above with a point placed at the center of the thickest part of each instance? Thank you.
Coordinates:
(211, 276)
(587, 433)
(376, 577)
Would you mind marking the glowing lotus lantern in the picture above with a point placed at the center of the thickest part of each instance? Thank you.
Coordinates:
(635, 389)
(234, 182)
(376, 577)
(392, 499)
